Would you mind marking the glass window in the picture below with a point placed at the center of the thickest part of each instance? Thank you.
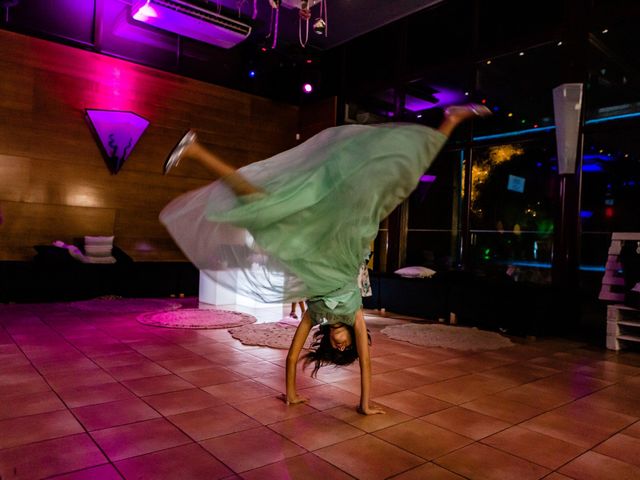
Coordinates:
(610, 188)
(513, 203)
(434, 214)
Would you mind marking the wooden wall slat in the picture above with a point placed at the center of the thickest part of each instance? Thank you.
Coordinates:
(88, 186)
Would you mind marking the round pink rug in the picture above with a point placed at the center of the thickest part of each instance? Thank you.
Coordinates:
(125, 305)
(274, 335)
(196, 318)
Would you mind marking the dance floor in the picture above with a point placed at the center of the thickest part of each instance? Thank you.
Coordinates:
(90, 394)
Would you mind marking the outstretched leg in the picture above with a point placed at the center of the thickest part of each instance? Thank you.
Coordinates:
(455, 115)
(188, 147)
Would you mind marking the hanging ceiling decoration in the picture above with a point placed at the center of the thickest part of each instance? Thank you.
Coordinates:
(304, 8)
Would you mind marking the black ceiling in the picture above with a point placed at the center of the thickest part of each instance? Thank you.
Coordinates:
(346, 19)
(510, 54)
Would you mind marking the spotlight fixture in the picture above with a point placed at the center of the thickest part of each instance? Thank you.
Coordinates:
(307, 88)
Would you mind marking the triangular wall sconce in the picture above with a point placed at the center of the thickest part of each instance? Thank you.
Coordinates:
(117, 133)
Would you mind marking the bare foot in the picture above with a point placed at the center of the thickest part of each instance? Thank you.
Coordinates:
(459, 113)
(178, 151)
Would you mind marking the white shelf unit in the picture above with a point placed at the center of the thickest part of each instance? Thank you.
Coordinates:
(623, 322)
(612, 288)
(623, 326)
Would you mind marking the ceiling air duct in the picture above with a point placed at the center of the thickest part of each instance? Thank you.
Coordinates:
(191, 21)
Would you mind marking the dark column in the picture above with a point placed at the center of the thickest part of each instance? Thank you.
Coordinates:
(392, 243)
(398, 222)
(566, 242)
(381, 248)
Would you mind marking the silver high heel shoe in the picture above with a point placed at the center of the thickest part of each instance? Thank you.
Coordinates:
(176, 154)
(475, 109)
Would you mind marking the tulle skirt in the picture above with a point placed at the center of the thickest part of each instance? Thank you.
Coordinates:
(308, 233)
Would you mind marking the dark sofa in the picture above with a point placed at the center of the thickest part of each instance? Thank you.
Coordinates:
(46, 282)
(494, 302)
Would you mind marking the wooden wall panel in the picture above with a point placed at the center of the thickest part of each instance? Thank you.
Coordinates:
(29, 224)
(317, 116)
(54, 183)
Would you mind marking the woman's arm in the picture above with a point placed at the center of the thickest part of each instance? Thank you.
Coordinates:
(302, 332)
(362, 343)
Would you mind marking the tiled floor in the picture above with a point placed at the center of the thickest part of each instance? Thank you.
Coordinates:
(91, 395)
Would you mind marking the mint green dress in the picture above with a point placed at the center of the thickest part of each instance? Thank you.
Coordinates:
(306, 235)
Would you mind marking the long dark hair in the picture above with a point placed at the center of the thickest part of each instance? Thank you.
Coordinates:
(322, 352)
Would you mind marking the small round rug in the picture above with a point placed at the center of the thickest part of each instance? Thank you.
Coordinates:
(447, 336)
(196, 318)
(125, 305)
(274, 335)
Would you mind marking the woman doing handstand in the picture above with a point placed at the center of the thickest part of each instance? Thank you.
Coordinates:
(305, 215)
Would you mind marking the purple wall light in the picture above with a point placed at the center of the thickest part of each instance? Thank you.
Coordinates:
(118, 133)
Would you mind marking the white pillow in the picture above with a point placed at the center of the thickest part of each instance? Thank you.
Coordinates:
(415, 272)
(89, 240)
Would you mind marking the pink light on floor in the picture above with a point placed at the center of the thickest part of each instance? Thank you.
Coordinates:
(428, 178)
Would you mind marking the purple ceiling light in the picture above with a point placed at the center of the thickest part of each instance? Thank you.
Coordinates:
(118, 133)
(415, 102)
(443, 97)
(447, 97)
